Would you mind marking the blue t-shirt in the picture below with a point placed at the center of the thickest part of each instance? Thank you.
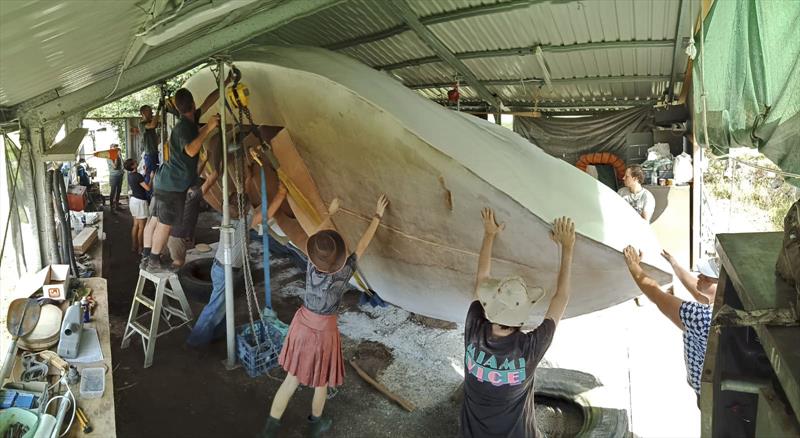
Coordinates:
(180, 171)
(696, 320)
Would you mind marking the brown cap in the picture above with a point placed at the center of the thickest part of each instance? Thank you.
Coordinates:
(326, 250)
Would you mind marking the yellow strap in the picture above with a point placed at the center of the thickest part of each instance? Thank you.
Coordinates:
(299, 197)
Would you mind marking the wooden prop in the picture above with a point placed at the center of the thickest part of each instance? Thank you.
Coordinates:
(405, 404)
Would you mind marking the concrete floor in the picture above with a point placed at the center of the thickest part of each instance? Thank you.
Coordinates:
(638, 356)
(634, 351)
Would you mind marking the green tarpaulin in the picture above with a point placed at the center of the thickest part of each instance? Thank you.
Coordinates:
(752, 79)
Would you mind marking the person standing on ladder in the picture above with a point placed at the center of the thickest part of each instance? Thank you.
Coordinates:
(175, 176)
(312, 351)
(211, 322)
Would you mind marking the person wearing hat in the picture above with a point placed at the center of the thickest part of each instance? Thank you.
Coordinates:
(693, 318)
(702, 287)
(500, 359)
(312, 352)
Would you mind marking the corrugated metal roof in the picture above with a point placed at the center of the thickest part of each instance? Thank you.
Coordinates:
(46, 45)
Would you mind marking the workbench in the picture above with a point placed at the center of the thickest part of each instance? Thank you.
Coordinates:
(100, 411)
(751, 375)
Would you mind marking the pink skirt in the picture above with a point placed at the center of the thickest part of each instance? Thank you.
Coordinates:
(312, 350)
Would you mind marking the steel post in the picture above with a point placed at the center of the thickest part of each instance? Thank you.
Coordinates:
(225, 230)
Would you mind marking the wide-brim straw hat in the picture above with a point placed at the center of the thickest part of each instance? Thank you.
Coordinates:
(326, 250)
(508, 301)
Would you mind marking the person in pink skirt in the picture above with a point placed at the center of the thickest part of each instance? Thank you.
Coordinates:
(312, 351)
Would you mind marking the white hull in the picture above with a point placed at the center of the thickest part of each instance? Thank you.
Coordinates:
(361, 133)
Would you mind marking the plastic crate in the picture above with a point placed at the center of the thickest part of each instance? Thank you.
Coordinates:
(259, 358)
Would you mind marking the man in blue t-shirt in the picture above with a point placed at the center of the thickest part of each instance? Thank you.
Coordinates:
(176, 175)
(693, 318)
(500, 360)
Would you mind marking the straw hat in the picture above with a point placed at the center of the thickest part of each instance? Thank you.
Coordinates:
(508, 301)
(326, 250)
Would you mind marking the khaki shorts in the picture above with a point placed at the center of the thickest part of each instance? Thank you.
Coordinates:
(177, 249)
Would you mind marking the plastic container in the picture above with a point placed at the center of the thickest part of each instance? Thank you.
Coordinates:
(93, 382)
(258, 358)
(11, 416)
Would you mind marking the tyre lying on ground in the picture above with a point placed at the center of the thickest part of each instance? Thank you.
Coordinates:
(195, 278)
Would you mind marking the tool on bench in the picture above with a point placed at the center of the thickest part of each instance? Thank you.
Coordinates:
(23, 314)
(86, 427)
(71, 329)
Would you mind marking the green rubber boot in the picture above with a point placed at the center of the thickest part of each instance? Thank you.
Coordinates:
(318, 426)
(270, 429)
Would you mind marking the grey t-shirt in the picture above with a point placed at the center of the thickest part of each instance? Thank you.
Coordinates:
(239, 228)
(641, 202)
(324, 291)
(149, 139)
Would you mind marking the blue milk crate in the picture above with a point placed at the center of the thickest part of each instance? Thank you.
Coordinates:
(259, 358)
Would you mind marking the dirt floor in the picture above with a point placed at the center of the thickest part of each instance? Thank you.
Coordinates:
(190, 394)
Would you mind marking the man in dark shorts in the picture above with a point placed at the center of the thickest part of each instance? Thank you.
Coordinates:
(177, 174)
(500, 359)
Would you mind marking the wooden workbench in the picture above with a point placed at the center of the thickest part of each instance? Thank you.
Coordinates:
(748, 282)
(100, 411)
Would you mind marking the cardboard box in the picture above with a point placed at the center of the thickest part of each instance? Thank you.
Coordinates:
(52, 279)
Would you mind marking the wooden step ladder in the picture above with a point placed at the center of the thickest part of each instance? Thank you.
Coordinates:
(160, 310)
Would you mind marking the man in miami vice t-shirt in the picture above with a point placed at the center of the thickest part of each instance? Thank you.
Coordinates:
(499, 359)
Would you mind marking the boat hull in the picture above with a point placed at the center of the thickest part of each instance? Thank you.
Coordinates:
(360, 133)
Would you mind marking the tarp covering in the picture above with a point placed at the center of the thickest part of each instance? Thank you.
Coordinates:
(752, 79)
(569, 138)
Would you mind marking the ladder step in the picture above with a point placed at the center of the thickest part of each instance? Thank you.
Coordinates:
(147, 302)
(142, 330)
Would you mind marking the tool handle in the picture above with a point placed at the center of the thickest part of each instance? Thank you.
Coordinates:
(8, 363)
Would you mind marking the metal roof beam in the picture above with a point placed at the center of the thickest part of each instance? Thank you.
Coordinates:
(683, 21)
(524, 51)
(177, 60)
(403, 10)
(565, 81)
(557, 105)
(443, 17)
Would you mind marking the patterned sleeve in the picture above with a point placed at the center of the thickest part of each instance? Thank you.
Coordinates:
(696, 317)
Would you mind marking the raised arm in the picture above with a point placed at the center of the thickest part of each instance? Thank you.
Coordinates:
(669, 305)
(563, 234)
(490, 230)
(688, 279)
(366, 238)
(148, 186)
(272, 208)
(193, 148)
(326, 219)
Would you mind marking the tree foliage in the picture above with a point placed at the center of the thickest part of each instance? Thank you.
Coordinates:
(129, 105)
